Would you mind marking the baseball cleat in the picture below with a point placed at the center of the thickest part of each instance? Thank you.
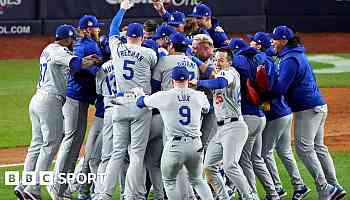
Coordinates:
(300, 194)
(339, 193)
(281, 193)
(19, 193)
(52, 193)
(31, 196)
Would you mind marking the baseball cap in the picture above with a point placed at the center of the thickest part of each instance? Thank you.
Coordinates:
(135, 30)
(163, 30)
(89, 21)
(236, 44)
(151, 44)
(261, 38)
(201, 10)
(65, 31)
(282, 33)
(179, 73)
(177, 18)
(178, 38)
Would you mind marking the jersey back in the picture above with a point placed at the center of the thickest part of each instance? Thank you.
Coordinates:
(106, 83)
(132, 65)
(162, 71)
(54, 69)
(181, 110)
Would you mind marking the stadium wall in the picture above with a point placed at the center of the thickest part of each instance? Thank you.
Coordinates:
(41, 17)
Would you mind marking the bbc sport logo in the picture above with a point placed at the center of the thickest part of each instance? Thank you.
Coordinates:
(48, 178)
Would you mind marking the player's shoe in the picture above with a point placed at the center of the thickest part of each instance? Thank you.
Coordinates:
(31, 196)
(231, 191)
(302, 193)
(281, 192)
(83, 197)
(19, 192)
(340, 193)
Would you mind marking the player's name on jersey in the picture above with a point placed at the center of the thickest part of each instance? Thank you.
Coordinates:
(131, 53)
(47, 178)
(183, 97)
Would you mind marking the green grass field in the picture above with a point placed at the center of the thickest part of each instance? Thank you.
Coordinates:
(342, 167)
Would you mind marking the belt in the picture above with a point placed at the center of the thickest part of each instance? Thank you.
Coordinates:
(59, 97)
(179, 138)
(222, 122)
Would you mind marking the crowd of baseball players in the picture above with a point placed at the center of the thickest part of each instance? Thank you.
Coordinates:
(182, 112)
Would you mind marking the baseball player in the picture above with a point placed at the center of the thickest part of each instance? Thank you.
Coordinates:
(106, 86)
(232, 133)
(277, 134)
(162, 38)
(45, 108)
(181, 109)
(297, 81)
(133, 126)
(176, 19)
(80, 93)
(209, 25)
(161, 80)
(93, 147)
(246, 60)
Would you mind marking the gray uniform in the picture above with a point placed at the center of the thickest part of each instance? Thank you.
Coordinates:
(227, 144)
(45, 110)
(106, 86)
(132, 126)
(181, 109)
(277, 135)
(162, 73)
(311, 148)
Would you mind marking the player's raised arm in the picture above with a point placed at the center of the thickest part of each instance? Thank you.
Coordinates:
(118, 18)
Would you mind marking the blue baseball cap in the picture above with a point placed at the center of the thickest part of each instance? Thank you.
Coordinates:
(179, 73)
(177, 18)
(135, 30)
(282, 33)
(163, 30)
(178, 38)
(236, 44)
(89, 21)
(65, 31)
(201, 10)
(261, 38)
(149, 43)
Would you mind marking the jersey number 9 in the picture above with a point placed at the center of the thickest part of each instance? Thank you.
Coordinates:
(185, 112)
(128, 71)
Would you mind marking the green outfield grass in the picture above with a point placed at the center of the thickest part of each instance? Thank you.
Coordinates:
(320, 65)
(17, 85)
(342, 165)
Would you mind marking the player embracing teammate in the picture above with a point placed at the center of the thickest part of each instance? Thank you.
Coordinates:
(175, 108)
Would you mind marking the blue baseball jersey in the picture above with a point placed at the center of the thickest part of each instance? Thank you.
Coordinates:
(81, 85)
(296, 80)
(245, 63)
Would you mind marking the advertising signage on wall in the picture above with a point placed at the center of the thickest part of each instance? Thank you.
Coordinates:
(68, 9)
(18, 9)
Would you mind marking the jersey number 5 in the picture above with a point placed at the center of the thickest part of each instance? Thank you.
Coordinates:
(128, 71)
(185, 112)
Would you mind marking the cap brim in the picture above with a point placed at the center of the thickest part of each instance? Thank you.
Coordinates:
(195, 15)
(175, 23)
(225, 48)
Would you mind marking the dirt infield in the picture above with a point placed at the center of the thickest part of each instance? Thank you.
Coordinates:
(31, 47)
(338, 99)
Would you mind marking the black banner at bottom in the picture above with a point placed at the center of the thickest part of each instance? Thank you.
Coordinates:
(10, 28)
